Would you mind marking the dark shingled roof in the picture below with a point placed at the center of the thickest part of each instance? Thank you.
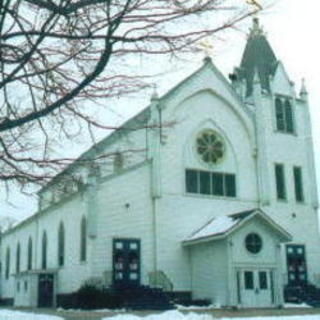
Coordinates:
(258, 57)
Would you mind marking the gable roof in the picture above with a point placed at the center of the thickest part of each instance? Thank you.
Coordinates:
(138, 121)
(221, 227)
(258, 57)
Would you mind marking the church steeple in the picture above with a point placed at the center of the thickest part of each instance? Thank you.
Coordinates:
(258, 57)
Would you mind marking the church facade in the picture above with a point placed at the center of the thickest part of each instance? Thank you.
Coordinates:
(211, 190)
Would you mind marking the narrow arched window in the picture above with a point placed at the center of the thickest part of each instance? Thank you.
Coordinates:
(284, 115)
(18, 258)
(29, 257)
(118, 162)
(280, 119)
(44, 250)
(83, 239)
(7, 271)
(288, 116)
(61, 245)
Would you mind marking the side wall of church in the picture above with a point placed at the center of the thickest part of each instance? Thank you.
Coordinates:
(73, 272)
(123, 210)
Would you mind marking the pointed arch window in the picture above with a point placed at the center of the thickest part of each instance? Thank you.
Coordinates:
(44, 250)
(118, 162)
(83, 239)
(288, 116)
(18, 253)
(284, 115)
(29, 256)
(61, 244)
(7, 270)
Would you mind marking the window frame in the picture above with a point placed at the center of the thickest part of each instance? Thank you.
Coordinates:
(118, 162)
(29, 254)
(61, 245)
(253, 243)
(226, 191)
(284, 120)
(83, 239)
(8, 260)
(44, 250)
(18, 258)
(213, 158)
(278, 183)
(298, 184)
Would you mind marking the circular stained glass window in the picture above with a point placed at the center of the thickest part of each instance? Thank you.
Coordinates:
(253, 243)
(210, 147)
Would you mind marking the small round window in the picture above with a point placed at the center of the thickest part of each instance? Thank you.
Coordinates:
(253, 243)
(210, 147)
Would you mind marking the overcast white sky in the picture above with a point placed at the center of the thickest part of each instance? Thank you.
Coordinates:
(292, 28)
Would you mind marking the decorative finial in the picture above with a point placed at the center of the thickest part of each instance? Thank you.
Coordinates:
(256, 29)
(303, 90)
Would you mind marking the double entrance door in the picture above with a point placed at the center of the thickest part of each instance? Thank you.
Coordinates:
(255, 288)
(297, 266)
(126, 262)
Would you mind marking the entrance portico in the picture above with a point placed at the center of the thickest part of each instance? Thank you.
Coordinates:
(235, 260)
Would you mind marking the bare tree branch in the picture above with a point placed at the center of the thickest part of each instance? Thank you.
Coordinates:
(56, 54)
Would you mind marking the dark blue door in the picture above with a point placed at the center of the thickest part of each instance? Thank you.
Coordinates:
(45, 290)
(297, 266)
(126, 262)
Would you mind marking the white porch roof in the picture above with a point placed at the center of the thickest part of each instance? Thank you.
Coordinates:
(221, 227)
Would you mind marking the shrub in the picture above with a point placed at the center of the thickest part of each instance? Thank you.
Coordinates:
(90, 296)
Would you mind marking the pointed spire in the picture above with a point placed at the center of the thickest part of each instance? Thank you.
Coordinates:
(258, 57)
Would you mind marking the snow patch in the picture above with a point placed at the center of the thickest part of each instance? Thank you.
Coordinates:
(168, 315)
(301, 317)
(17, 315)
(196, 308)
(95, 310)
(214, 227)
(296, 305)
(176, 315)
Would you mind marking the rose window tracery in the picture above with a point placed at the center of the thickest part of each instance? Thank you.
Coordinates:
(210, 147)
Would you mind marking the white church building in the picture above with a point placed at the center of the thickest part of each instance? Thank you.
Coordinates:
(220, 200)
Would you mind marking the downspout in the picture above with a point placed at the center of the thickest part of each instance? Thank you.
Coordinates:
(260, 151)
(37, 243)
(90, 197)
(154, 156)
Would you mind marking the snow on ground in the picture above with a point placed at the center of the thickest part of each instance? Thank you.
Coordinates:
(196, 308)
(168, 315)
(95, 310)
(300, 317)
(177, 315)
(17, 315)
(296, 305)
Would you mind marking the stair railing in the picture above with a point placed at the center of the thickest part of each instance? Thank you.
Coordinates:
(158, 279)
